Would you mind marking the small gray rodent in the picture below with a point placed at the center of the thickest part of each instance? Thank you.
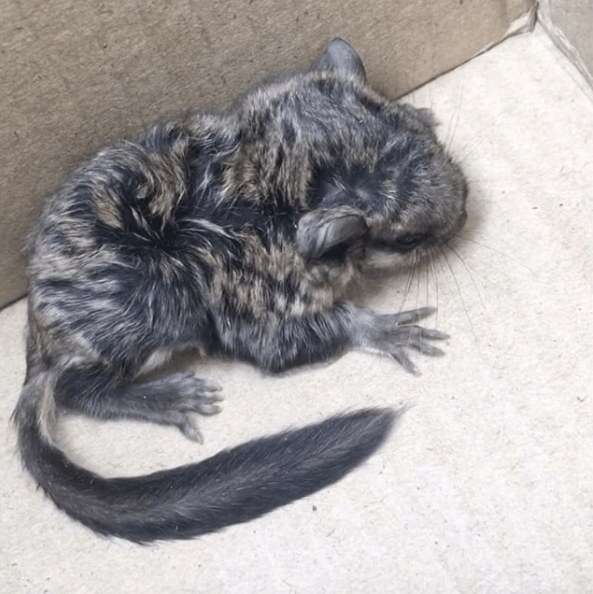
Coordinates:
(238, 234)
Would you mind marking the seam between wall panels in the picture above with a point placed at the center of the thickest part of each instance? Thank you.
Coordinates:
(522, 24)
(544, 17)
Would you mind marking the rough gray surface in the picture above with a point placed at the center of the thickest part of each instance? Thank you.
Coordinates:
(487, 484)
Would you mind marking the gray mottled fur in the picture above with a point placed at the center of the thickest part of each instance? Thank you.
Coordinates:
(237, 234)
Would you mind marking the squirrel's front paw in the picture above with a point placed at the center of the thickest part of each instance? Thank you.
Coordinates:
(393, 334)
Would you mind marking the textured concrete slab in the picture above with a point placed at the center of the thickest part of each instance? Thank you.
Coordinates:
(486, 486)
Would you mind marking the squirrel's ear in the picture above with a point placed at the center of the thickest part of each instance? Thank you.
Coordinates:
(343, 59)
(322, 230)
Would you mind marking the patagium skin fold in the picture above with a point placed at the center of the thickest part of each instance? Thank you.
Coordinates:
(238, 234)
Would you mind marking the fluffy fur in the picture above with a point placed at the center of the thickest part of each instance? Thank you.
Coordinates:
(236, 234)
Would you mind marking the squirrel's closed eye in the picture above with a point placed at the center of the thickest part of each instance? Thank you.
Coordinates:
(410, 241)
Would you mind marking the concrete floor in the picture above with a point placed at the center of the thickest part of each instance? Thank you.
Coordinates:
(487, 485)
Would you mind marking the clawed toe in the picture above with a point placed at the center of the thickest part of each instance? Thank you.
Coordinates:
(426, 349)
(400, 356)
(412, 315)
(434, 334)
(188, 427)
(203, 407)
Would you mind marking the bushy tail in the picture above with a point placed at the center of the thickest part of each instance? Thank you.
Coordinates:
(233, 486)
